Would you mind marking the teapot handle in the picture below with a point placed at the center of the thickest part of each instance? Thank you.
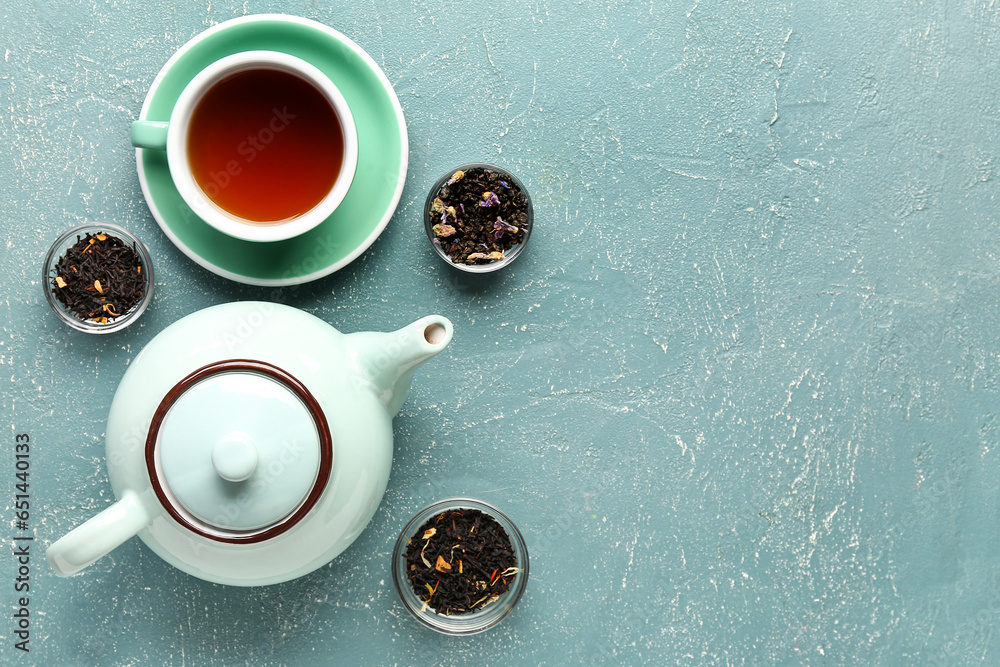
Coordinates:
(98, 536)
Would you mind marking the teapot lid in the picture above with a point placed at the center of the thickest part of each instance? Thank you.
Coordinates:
(240, 451)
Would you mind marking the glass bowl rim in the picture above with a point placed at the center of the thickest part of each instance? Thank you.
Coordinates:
(514, 253)
(466, 624)
(59, 246)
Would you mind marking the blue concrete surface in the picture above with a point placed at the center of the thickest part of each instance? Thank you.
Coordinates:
(740, 392)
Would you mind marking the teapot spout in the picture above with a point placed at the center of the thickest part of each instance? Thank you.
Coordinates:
(386, 362)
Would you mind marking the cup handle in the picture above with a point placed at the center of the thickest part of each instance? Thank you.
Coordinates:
(98, 536)
(150, 134)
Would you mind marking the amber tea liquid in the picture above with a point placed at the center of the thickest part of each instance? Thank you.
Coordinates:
(265, 145)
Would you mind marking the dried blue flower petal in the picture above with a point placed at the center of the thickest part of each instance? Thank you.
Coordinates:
(502, 226)
(489, 199)
(504, 183)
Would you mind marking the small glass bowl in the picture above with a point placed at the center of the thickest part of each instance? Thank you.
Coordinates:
(68, 240)
(510, 255)
(459, 624)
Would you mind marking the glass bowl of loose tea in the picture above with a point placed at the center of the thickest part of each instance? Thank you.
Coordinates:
(98, 278)
(478, 217)
(460, 566)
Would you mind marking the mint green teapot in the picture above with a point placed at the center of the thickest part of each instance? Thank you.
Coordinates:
(250, 443)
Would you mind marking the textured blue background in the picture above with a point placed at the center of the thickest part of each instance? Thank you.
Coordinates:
(740, 393)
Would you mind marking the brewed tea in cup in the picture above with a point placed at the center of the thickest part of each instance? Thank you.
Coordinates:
(261, 145)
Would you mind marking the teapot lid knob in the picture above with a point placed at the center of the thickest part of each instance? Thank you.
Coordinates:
(234, 457)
